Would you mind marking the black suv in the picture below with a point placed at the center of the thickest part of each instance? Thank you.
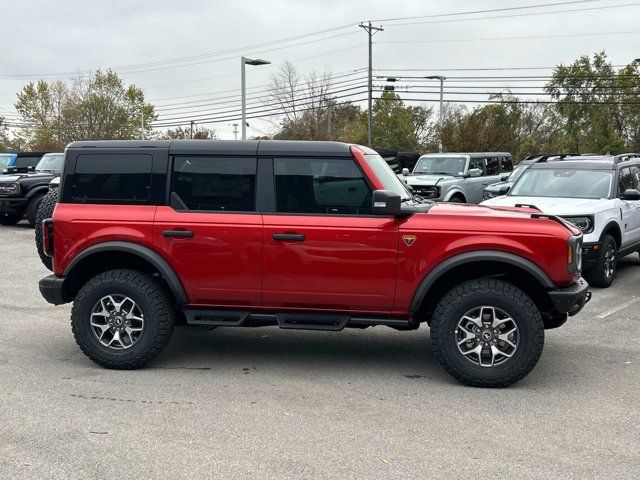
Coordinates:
(21, 193)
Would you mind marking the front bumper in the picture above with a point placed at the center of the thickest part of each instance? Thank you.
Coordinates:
(51, 288)
(590, 253)
(571, 299)
(12, 204)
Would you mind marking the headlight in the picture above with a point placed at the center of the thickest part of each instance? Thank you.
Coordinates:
(427, 191)
(10, 188)
(574, 255)
(585, 223)
(487, 195)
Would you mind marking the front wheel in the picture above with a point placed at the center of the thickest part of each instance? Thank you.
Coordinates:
(487, 333)
(602, 274)
(122, 319)
(32, 209)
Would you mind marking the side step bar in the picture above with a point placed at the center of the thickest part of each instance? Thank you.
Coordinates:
(289, 320)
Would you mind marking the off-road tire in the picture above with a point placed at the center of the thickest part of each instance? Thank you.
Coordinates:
(457, 199)
(31, 211)
(597, 276)
(487, 292)
(157, 306)
(9, 219)
(45, 210)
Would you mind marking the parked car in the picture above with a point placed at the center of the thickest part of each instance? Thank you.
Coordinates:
(501, 188)
(21, 194)
(458, 177)
(19, 162)
(306, 235)
(597, 193)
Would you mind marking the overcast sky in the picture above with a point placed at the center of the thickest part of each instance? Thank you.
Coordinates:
(57, 37)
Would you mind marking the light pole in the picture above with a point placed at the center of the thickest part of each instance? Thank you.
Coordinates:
(440, 116)
(247, 61)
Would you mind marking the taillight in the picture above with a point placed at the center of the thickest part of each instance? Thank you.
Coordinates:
(47, 237)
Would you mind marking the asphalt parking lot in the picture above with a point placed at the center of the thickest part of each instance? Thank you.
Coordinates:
(272, 404)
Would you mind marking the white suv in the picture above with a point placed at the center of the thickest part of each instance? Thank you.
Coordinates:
(600, 194)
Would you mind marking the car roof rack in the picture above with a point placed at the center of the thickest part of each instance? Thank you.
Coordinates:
(623, 157)
(545, 157)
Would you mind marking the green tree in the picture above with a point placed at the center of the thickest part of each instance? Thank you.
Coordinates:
(199, 133)
(98, 107)
(597, 103)
(396, 126)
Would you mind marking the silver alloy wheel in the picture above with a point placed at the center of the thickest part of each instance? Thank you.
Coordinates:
(487, 336)
(610, 261)
(117, 321)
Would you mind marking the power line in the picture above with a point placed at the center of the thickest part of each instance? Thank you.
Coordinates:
(553, 12)
(129, 68)
(472, 12)
(528, 37)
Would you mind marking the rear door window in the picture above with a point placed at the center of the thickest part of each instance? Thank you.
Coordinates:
(216, 184)
(506, 164)
(493, 165)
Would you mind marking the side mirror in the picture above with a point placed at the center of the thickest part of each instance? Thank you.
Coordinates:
(631, 194)
(474, 172)
(386, 202)
(504, 189)
(405, 171)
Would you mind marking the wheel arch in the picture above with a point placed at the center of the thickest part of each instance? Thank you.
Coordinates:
(612, 228)
(37, 191)
(481, 264)
(111, 255)
(455, 192)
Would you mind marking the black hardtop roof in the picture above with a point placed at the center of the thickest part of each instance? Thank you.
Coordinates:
(224, 147)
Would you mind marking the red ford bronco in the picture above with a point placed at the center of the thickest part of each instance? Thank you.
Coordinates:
(309, 235)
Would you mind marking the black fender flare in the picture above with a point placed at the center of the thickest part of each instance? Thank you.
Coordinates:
(37, 190)
(145, 253)
(477, 256)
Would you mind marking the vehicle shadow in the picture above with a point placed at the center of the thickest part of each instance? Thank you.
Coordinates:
(381, 350)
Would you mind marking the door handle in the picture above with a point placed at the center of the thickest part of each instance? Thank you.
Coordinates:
(288, 237)
(178, 233)
(485, 183)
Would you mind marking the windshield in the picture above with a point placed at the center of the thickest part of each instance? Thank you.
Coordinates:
(51, 162)
(564, 183)
(517, 173)
(4, 160)
(440, 166)
(387, 176)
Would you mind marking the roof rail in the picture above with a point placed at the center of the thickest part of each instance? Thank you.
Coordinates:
(623, 157)
(550, 156)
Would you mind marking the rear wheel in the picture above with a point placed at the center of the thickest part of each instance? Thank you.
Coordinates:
(122, 319)
(602, 274)
(487, 333)
(45, 210)
(32, 209)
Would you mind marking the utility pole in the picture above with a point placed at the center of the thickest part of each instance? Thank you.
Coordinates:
(371, 31)
(329, 120)
(191, 133)
(142, 125)
(235, 130)
(441, 113)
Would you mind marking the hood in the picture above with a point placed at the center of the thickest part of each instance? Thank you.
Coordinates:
(551, 205)
(426, 179)
(31, 176)
(495, 187)
(479, 218)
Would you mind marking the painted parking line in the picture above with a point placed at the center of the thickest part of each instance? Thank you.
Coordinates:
(622, 306)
